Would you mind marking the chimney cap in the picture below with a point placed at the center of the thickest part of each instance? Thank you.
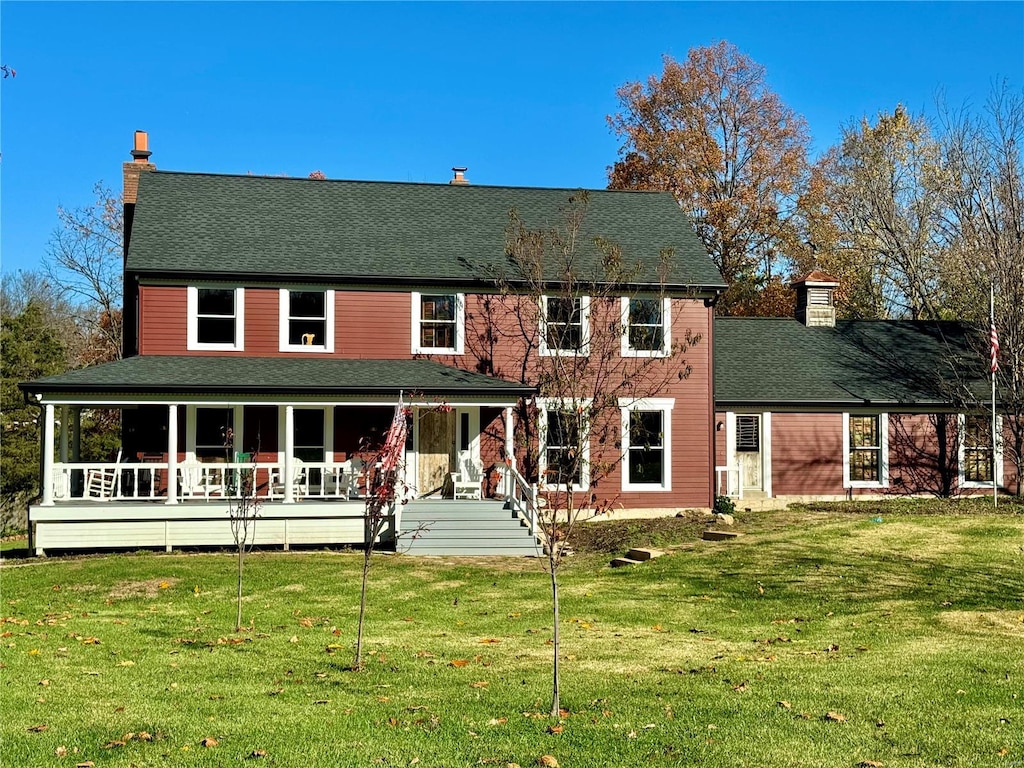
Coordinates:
(460, 175)
(817, 278)
(141, 151)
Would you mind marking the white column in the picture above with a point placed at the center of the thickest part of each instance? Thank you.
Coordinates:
(289, 449)
(510, 443)
(76, 435)
(172, 454)
(64, 434)
(48, 445)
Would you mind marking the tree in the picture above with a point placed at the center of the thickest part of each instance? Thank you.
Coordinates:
(86, 257)
(984, 225)
(712, 132)
(564, 300)
(873, 212)
(244, 505)
(30, 348)
(382, 495)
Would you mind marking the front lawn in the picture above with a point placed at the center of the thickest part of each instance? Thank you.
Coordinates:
(819, 639)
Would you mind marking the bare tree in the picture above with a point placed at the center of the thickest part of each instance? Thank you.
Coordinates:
(244, 505)
(86, 257)
(984, 224)
(570, 301)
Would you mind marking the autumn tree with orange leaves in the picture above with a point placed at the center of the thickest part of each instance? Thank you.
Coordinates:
(712, 132)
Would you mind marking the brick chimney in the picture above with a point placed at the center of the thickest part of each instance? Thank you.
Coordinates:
(460, 175)
(132, 171)
(815, 306)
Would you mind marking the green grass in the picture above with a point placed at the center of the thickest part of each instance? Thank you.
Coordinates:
(909, 630)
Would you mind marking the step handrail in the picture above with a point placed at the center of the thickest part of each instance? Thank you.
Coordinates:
(522, 497)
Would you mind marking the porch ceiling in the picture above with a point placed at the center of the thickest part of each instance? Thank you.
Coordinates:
(254, 376)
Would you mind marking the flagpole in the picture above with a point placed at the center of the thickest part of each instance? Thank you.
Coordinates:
(992, 369)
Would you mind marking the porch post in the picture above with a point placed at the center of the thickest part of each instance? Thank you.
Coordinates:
(172, 454)
(289, 449)
(48, 445)
(64, 434)
(76, 434)
(510, 444)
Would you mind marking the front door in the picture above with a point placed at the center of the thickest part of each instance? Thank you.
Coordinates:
(436, 454)
(748, 452)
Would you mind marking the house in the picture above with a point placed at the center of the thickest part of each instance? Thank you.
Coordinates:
(812, 407)
(277, 322)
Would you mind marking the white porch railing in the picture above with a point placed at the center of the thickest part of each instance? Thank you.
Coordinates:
(522, 497)
(728, 482)
(209, 481)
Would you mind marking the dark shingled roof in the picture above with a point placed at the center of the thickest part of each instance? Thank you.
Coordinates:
(762, 361)
(169, 374)
(369, 231)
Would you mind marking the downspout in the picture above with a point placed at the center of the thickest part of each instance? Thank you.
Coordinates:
(38, 496)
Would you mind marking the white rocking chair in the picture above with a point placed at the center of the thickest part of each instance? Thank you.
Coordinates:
(102, 482)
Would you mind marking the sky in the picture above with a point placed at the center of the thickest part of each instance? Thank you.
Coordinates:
(517, 92)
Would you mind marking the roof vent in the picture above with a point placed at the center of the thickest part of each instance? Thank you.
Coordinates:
(460, 175)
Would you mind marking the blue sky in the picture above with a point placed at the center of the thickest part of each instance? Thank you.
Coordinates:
(402, 92)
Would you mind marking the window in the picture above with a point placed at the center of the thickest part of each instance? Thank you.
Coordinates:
(645, 327)
(437, 323)
(306, 320)
(646, 444)
(308, 433)
(565, 447)
(979, 463)
(748, 434)
(215, 318)
(866, 442)
(212, 428)
(564, 325)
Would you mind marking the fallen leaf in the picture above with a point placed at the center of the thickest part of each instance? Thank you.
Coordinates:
(479, 684)
(209, 742)
(126, 663)
(114, 743)
(1002, 752)
(869, 764)
(38, 728)
(164, 584)
(832, 648)
(86, 764)
(458, 663)
(785, 704)
(257, 753)
(548, 761)
(44, 682)
(835, 717)
(293, 639)
(497, 721)
(555, 729)
(306, 622)
(489, 640)
(741, 687)
(61, 751)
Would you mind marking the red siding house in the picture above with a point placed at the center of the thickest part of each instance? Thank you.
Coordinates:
(279, 321)
(814, 408)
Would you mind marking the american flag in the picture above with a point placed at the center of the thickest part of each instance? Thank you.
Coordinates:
(995, 348)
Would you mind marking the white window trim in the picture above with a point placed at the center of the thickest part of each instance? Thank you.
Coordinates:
(192, 334)
(665, 405)
(560, 404)
(883, 433)
(282, 325)
(460, 325)
(584, 349)
(666, 325)
(282, 426)
(997, 458)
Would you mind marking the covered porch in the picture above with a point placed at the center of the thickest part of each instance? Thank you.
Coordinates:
(308, 446)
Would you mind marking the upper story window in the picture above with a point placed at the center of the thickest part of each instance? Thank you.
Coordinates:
(564, 325)
(438, 322)
(980, 462)
(645, 324)
(306, 320)
(216, 318)
(866, 445)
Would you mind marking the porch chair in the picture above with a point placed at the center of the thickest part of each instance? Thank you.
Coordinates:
(466, 481)
(200, 479)
(343, 481)
(298, 479)
(101, 482)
